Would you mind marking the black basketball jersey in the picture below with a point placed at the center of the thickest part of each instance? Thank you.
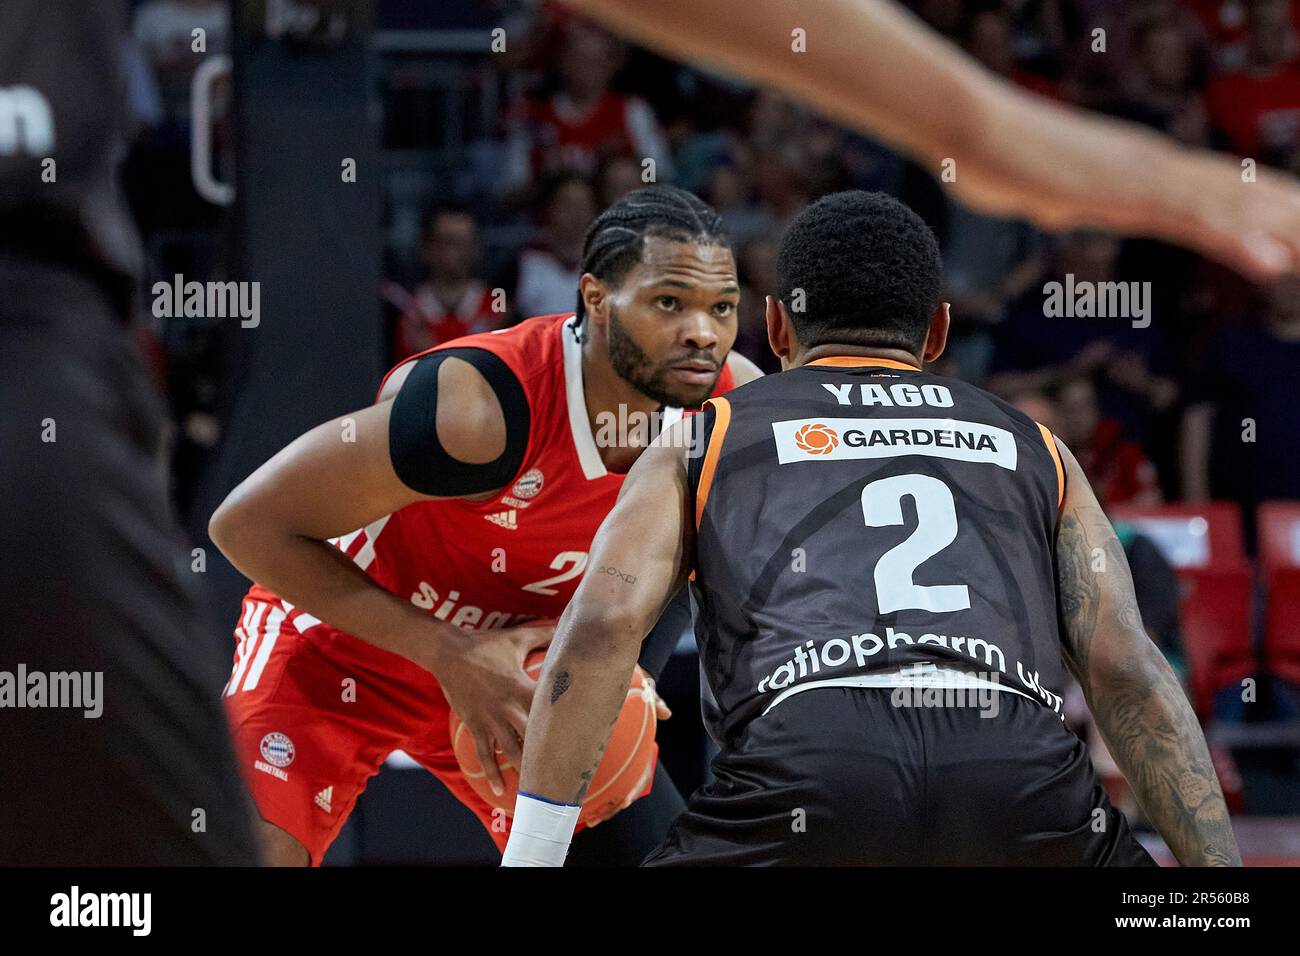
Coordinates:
(859, 517)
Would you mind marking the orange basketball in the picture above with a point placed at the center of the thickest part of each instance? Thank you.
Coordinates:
(624, 771)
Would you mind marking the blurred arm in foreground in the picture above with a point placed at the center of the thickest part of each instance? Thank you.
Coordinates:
(873, 66)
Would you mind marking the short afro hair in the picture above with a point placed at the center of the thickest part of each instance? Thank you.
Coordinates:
(859, 268)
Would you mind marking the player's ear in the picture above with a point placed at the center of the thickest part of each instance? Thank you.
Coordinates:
(780, 331)
(594, 299)
(937, 338)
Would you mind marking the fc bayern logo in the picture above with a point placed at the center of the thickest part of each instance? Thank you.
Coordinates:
(277, 750)
(529, 485)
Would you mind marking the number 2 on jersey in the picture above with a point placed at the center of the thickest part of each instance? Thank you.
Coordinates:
(936, 528)
(578, 560)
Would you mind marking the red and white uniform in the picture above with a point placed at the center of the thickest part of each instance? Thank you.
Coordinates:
(426, 321)
(315, 711)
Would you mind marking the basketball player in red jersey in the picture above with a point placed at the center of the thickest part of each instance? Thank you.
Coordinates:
(477, 480)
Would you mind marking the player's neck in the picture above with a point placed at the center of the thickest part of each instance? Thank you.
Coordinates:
(807, 356)
(610, 399)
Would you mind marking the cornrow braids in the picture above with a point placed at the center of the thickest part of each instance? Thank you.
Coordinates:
(616, 239)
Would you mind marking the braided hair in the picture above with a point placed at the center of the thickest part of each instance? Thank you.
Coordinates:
(616, 239)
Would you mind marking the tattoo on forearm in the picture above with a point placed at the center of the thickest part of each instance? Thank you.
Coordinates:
(1157, 740)
(1151, 729)
(589, 774)
(560, 685)
(615, 572)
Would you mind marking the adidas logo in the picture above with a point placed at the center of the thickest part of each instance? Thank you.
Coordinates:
(505, 519)
(324, 797)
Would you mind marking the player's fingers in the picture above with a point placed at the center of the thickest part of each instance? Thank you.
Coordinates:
(520, 697)
(1266, 256)
(510, 738)
(487, 758)
(661, 709)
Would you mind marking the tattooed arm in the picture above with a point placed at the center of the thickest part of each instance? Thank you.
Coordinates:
(637, 564)
(1135, 698)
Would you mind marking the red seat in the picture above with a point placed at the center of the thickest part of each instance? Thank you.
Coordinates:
(1279, 557)
(1203, 542)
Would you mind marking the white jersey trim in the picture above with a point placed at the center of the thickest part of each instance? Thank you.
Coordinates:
(905, 675)
(579, 424)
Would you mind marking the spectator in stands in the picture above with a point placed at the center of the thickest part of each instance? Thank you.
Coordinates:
(988, 262)
(1241, 430)
(1040, 408)
(1226, 27)
(988, 39)
(1118, 469)
(164, 30)
(453, 301)
(1035, 351)
(617, 176)
(585, 120)
(730, 192)
(757, 267)
(1161, 90)
(1257, 109)
(548, 267)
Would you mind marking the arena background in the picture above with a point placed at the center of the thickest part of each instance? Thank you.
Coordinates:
(383, 169)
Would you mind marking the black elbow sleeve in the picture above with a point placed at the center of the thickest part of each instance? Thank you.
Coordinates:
(416, 451)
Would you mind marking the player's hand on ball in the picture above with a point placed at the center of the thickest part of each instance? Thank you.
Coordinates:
(486, 685)
(661, 709)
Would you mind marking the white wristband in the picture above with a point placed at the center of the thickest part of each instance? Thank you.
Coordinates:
(540, 832)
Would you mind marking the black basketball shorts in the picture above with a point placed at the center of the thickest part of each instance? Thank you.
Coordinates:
(843, 776)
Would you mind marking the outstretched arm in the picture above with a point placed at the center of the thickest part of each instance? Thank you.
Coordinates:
(1134, 694)
(638, 562)
(873, 66)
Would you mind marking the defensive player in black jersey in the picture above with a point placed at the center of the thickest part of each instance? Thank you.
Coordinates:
(892, 570)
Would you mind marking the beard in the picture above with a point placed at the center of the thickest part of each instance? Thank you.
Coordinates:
(634, 366)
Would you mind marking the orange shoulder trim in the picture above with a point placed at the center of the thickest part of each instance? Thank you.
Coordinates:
(722, 408)
(1050, 442)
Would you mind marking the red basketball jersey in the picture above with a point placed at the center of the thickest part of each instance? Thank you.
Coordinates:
(519, 555)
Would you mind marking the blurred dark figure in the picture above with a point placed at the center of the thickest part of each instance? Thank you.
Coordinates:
(1241, 433)
(94, 580)
(989, 40)
(1161, 89)
(453, 301)
(1035, 351)
(164, 32)
(617, 176)
(757, 266)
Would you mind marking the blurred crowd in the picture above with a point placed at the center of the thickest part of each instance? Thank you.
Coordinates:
(1190, 399)
(1189, 402)
(1154, 407)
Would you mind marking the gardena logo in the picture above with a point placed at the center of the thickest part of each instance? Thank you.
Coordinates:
(817, 439)
(840, 439)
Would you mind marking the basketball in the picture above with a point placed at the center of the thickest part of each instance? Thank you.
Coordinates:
(624, 772)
